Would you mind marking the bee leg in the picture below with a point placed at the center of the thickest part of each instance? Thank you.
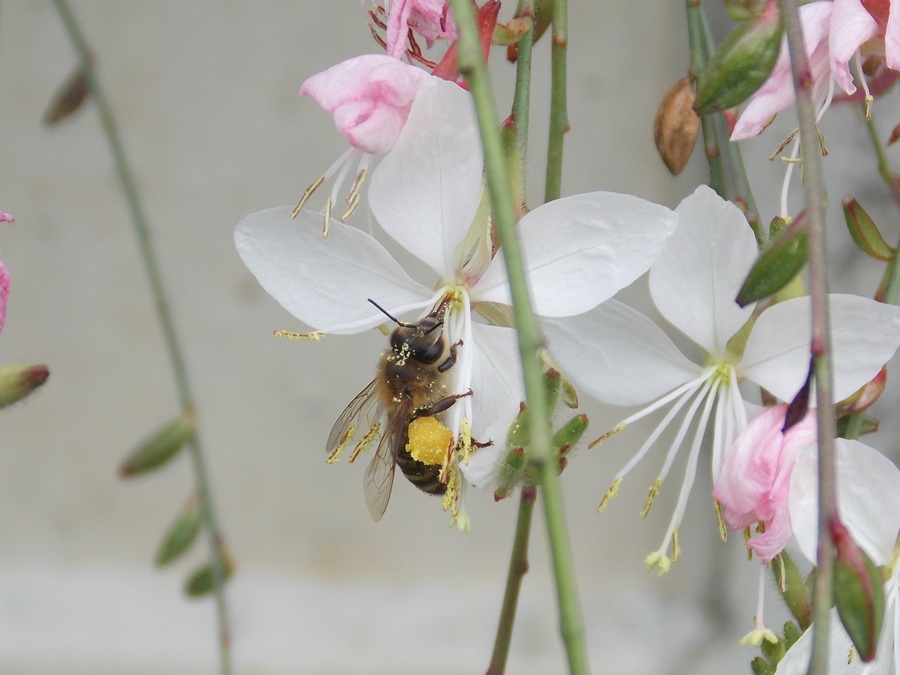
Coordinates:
(439, 406)
(448, 364)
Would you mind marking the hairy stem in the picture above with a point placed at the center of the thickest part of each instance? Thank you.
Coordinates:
(820, 346)
(529, 335)
(176, 358)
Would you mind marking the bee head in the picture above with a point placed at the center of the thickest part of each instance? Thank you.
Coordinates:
(422, 340)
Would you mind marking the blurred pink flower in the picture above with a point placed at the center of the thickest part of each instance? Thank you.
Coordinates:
(754, 482)
(4, 277)
(833, 33)
(428, 18)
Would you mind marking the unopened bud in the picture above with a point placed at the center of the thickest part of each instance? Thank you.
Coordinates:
(181, 534)
(676, 125)
(794, 590)
(858, 592)
(571, 432)
(161, 447)
(541, 19)
(864, 230)
(17, 382)
(742, 63)
(69, 98)
(760, 666)
(791, 633)
(866, 395)
(778, 263)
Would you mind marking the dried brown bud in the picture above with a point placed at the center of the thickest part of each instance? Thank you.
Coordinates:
(676, 125)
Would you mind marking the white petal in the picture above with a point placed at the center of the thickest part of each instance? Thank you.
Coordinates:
(496, 378)
(581, 250)
(868, 489)
(618, 355)
(864, 336)
(424, 192)
(325, 282)
(796, 660)
(481, 470)
(701, 270)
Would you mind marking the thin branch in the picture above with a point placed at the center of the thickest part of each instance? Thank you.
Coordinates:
(142, 231)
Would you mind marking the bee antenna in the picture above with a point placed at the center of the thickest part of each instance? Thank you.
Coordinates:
(388, 314)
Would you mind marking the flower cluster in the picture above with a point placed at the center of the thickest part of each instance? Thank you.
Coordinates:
(835, 33)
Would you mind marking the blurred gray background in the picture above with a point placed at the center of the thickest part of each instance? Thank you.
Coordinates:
(205, 94)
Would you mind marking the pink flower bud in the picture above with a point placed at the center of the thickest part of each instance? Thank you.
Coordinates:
(754, 482)
(369, 97)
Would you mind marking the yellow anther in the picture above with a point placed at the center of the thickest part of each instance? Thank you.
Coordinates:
(306, 196)
(594, 444)
(365, 441)
(720, 519)
(314, 336)
(327, 218)
(676, 548)
(654, 490)
(613, 489)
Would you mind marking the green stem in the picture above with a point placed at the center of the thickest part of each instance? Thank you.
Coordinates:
(820, 343)
(892, 292)
(173, 347)
(559, 117)
(522, 94)
(529, 335)
(518, 566)
(701, 47)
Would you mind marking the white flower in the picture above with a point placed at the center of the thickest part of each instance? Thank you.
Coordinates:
(868, 493)
(427, 195)
(620, 357)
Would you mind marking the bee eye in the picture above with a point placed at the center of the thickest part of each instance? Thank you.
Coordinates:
(431, 353)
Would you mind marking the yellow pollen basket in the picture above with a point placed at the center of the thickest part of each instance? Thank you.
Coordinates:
(428, 441)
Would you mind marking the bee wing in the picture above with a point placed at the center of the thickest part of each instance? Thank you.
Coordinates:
(361, 413)
(379, 477)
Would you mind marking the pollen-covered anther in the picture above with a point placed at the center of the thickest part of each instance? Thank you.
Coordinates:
(428, 441)
(608, 434)
(723, 531)
(676, 547)
(451, 496)
(613, 489)
(306, 195)
(365, 442)
(315, 336)
(651, 495)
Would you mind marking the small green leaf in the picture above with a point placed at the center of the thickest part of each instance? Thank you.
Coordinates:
(742, 63)
(864, 230)
(202, 581)
(778, 263)
(181, 534)
(161, 447)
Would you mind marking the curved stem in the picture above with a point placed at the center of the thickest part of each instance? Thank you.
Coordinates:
(173, 347)
(518, 567)
(820, 347)
(529, 335)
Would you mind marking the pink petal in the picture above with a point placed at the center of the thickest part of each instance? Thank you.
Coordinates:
(892, 37)
(754, 482)
(851, 25)
(4, 294)
(369, 96)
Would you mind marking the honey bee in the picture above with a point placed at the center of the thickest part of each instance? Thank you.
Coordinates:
(409, 386)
